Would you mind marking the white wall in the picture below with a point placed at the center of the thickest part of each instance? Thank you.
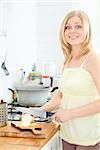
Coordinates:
(49, 17)
(92, 8)
(33, 32)
(21, 34)
(20, 16)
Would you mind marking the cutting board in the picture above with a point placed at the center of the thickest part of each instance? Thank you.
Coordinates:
(29, 132)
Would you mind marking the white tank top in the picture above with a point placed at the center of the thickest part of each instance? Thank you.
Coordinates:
(79, 89)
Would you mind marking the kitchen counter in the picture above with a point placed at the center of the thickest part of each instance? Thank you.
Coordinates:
(18, 143)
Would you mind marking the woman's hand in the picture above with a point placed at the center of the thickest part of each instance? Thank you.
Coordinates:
(62, 115)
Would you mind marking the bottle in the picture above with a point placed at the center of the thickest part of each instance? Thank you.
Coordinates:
(46, 81)
(35, 75)
(18, 77)
(1, 101)
(34, 68)
(20, 74)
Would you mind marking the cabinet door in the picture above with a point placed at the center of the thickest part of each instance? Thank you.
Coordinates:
(54, 143)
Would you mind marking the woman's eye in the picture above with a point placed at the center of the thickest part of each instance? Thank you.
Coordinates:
(67, 27)
(78, 26)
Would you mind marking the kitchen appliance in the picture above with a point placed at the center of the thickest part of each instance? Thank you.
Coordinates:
(15, 109)
(23, 98)
(15, 113)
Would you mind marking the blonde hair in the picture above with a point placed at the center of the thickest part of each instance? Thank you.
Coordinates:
(86, 45)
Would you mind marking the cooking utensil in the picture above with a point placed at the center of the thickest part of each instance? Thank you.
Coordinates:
(3, 66)
(36, 112)
(3, 113)
(32, 95)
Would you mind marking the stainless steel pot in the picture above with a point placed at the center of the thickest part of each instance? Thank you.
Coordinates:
(32, 96)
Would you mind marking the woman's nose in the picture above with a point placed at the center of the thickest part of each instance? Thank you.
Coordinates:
(73, 29)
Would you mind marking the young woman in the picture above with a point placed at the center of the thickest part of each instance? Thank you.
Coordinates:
(78, 98)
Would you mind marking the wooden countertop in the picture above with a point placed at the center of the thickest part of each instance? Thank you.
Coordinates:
(13, 143)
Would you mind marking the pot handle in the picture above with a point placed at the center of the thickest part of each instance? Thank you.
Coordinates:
(11, 90)
(13, 94)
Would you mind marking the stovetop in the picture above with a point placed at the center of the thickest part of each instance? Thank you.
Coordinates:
(15, 115)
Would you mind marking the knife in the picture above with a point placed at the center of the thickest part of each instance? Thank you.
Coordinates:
(36, 112)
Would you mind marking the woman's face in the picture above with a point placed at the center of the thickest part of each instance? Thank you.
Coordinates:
(74, 31)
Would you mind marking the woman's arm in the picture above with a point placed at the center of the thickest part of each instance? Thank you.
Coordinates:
(53, 104)
(86, 110)
(63, 115)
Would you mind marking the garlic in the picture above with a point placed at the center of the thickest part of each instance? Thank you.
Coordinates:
(26, 120)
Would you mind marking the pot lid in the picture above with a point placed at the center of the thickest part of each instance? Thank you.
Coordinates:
(31, 87)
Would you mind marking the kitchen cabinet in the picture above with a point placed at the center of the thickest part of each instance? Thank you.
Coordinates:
(54, 143)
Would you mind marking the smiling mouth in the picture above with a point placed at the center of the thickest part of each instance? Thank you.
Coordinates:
(73, 37)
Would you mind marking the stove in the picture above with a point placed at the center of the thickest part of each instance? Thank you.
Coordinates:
(15, 115)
